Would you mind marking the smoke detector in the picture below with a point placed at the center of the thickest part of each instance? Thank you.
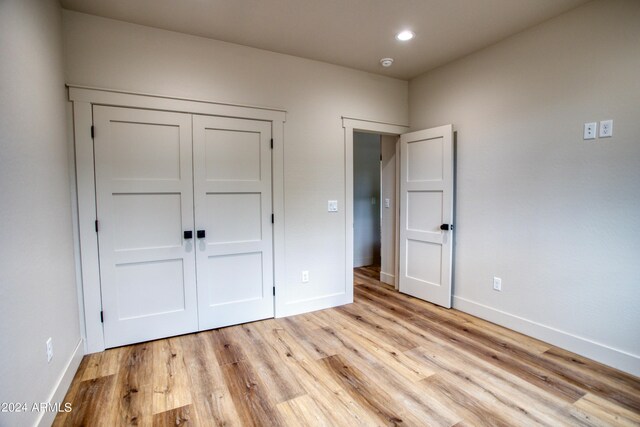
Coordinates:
(386, 62)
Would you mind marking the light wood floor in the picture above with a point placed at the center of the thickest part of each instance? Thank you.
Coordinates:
(387, 359)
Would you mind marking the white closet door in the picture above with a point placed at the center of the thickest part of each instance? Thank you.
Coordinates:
(232, 184)
(426, 214)
(144, 190)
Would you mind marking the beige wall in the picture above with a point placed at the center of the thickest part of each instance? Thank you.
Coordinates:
(113, 54)
(37, 282)
(556, 217)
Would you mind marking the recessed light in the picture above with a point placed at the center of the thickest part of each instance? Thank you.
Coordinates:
(386, 62)
(403, 36)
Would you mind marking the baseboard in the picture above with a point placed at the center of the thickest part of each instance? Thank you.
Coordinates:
(616, 358)
(313, 304)
(63, 384)
(387, 278)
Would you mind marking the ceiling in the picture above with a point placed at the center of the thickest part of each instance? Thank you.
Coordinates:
(352, 33)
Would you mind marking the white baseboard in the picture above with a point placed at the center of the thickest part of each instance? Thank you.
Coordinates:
(387, 278)
(593, 350)
(63, 384)
(314, 304)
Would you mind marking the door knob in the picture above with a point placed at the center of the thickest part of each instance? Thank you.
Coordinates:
(200, 234)
(188, 234)
(446, 227)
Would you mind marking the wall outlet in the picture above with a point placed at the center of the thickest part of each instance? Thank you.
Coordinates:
(590, 130)
(332, 206)
(305, 276)
(606, 128)
(497, 284)
(387, 203)
(49, 350)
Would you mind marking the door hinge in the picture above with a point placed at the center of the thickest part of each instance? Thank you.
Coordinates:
(272, 219)
(93, 132)
(101, 316)
(96, 225)
(272, 143)
(274, 291)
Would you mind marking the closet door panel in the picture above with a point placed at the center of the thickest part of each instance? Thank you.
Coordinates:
(144, 199)
(232, 184)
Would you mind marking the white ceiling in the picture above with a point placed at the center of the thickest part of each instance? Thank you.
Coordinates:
(352, 33)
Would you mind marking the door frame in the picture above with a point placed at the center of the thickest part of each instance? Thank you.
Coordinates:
(350, 126)
(83, 99)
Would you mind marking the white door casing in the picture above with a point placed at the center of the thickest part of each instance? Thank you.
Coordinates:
(426, 209)
(233, 207)
(83, 100)
(350, 125)
(144, 201)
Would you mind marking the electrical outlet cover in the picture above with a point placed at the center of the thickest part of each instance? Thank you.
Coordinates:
(606, 128)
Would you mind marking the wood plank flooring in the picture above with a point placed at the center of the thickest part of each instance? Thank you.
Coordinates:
(387, 359)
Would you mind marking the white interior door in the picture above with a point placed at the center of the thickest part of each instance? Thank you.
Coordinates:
(426, 214)
(232, 184)
(144, 191)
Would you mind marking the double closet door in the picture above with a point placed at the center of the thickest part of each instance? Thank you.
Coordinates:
(184, 222)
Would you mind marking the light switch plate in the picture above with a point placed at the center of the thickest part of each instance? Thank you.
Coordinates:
(49, 350)
(606, 128)
(590, 130)
(332, 206)
(387, 203)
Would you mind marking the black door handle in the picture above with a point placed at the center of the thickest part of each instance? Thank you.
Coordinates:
(188, 235)
(200, 234)
(446, 227)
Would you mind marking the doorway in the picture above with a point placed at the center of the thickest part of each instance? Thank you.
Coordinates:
(424, 188)
(374, 205)
(367, 159)
(379, 130)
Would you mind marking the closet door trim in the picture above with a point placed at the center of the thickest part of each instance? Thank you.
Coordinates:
(83, 99)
